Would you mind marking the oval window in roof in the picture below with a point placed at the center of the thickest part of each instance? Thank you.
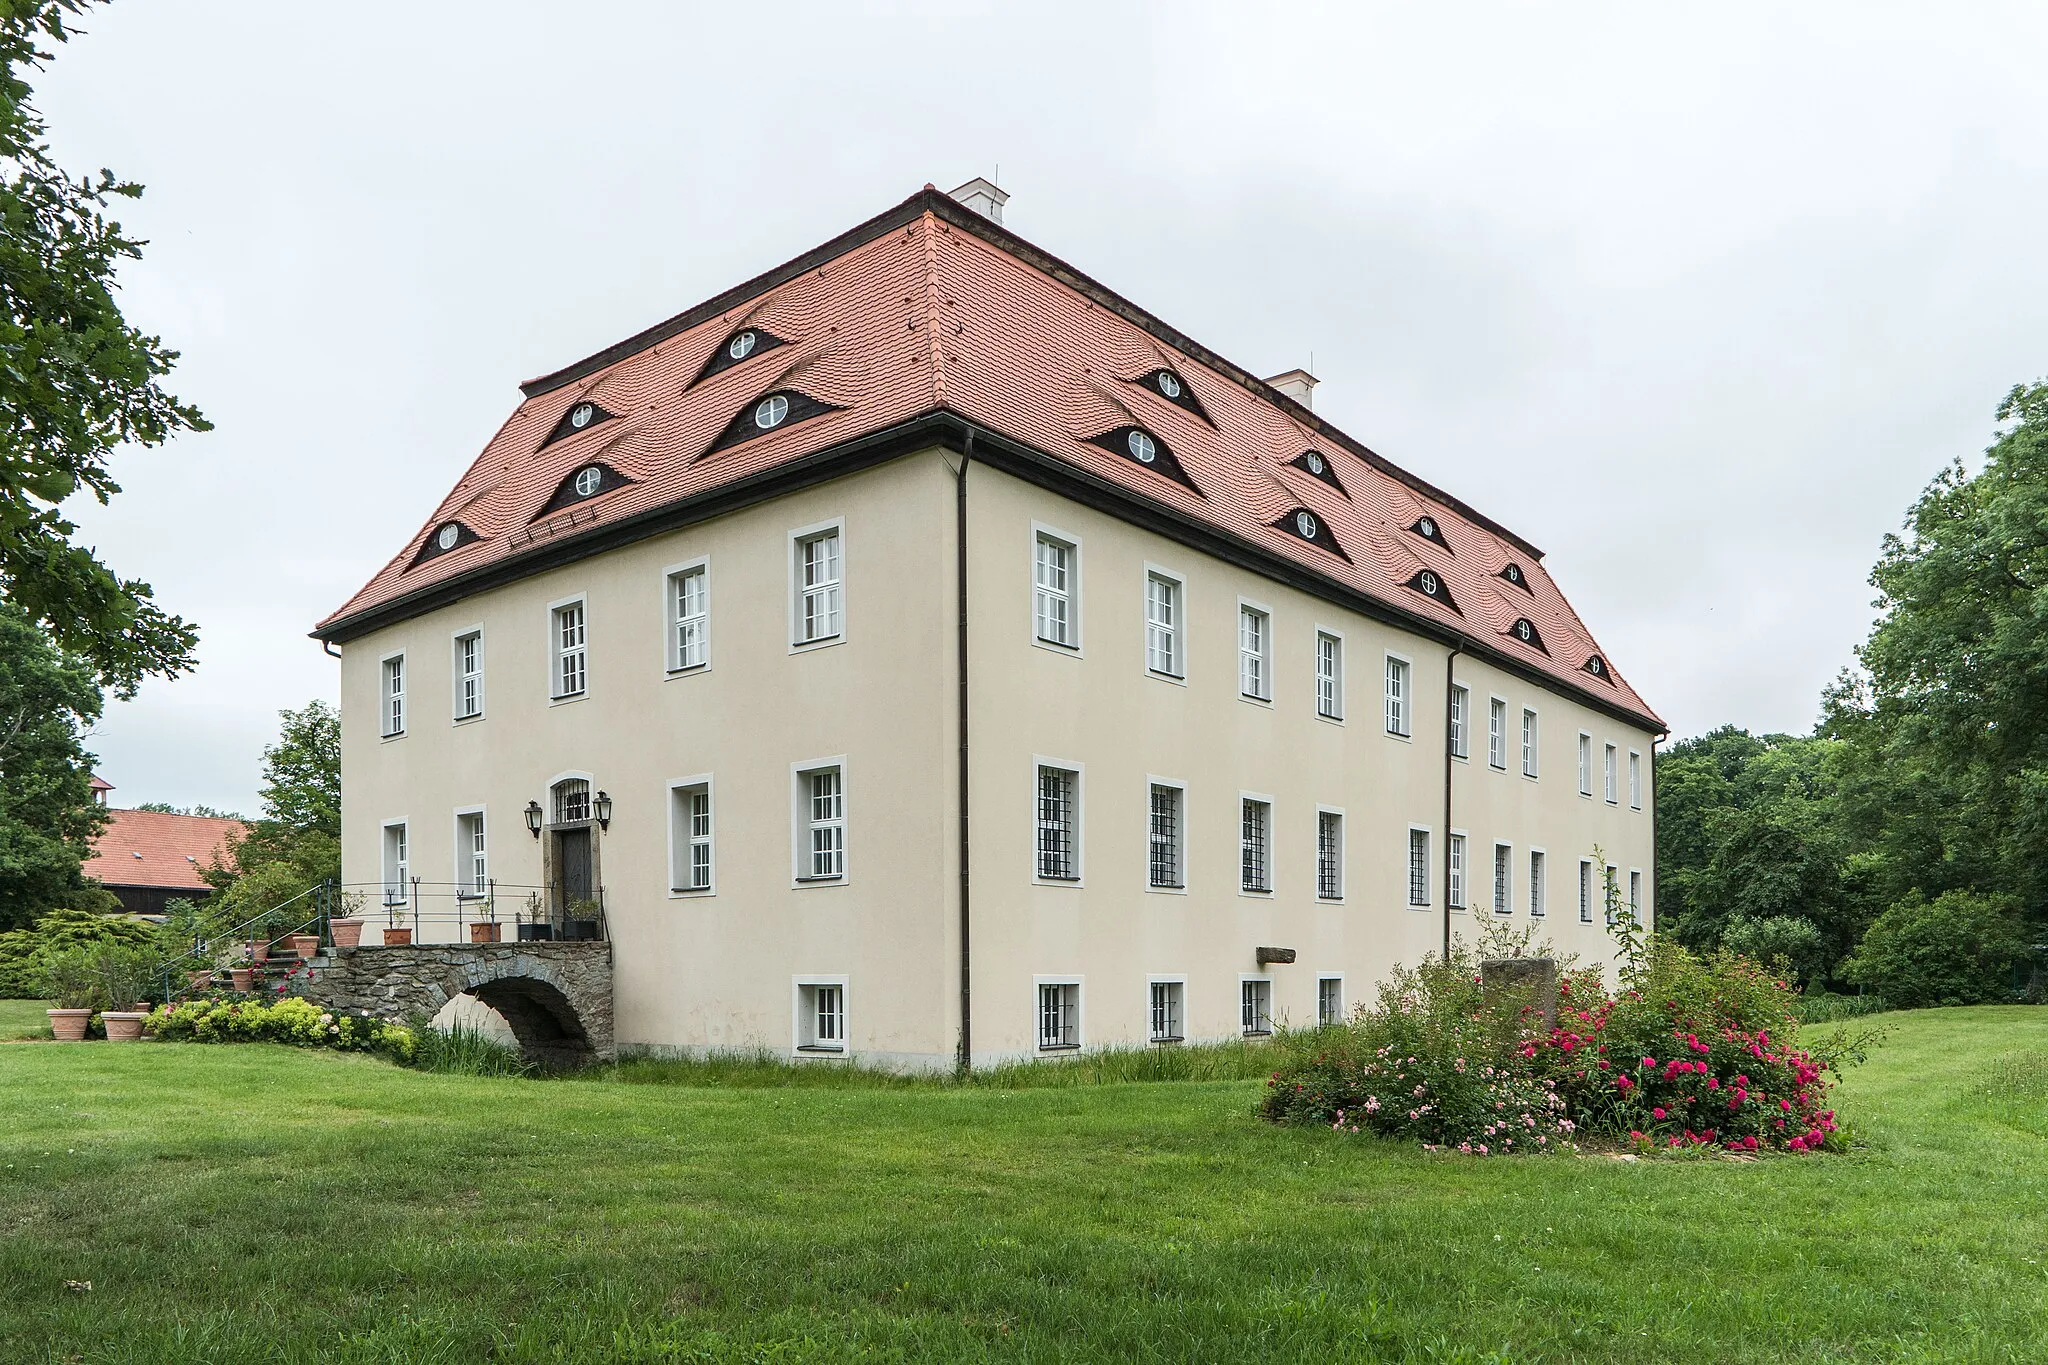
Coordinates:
(770, 411)
(1169, 383)
(1428, 582)
(1305, 522)
(448, 535)
(1427, 528)
(581, 415)
(1141, 446)
(588, 479)
(742, 346)
(1314, 463)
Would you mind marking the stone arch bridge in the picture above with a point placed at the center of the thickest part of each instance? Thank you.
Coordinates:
(556, 996)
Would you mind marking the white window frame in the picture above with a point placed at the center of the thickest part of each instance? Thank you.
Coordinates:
(801, 823)
(1408, 866)
(391, 706)
(1585, 890)
(1324, 979)
(1611, 879)
(1497, 734)
(1539, 879)
(1459, 722)
(1178, 989)
(794, 555)
(1330, 897)
(1331, 698)
(1249, 1028)
(400, 867)
(1585, 764)
(1458, 875)
(467, 886)
(1258, 892)
(456, 675)
(1177, 633)
(803, 1034)
(1052, 535)
(1040, 765)
(673, 582)
(1610, 775)
(1080, 1010)
(1503, 892)
(1399, 709)
(1634, 898)
(1635, 779)
(1532, 744)
(1262, 660)
(681, 842)
(1180, 835)
(556, 653)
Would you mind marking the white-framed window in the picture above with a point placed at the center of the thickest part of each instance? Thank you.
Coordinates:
(1503, 879)
(1529, 742)
(1059, 1014)
(1635, 780)
(1609, 775)
(689, 616)
(1255, 1005)
(1055, 590)
(1254, 652)
(1536, 890)
(1585, 891)
(1165, 597)
(1255, 844)
(1635, 893)
(1165, 836)
(1585, 764)
(817, 576)
(397, 863)
(691, 864)
(1166, 1020)
(472, 856)
(469, 674)
(1058, 800)
(1497, 734)
(1329, 675)
(1418, 866)
(1461, 722)
(1329, 1001)
(1455, 874)
(570, 642)
(1330, 855)
(1610, 892)
(1397, 695)
(393, 696)
(821, 1014)
(821, 821)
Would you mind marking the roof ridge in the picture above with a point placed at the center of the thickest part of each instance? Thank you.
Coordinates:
(929, 222)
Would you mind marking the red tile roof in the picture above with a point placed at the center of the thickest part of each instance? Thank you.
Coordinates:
(157, 849)
(931, 321)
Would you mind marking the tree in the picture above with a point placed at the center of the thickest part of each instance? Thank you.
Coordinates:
(1957, 949)
(296, 843)
(48, 817)
(166, 808)
(76, 381)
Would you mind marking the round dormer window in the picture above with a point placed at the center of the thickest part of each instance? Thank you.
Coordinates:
(1169, 384)
(1595, 666)
(581, 414)
(448, 535)
(1305, 522)
(770, 411)
(1427, 526)
(587, 480)
(1142, 447)
(1427, 581)
(1314, 462)
(1513, 574)
(742, 346)
(1524, 631)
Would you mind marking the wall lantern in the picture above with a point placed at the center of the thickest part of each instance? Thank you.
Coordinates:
(603, 806)
(533, 818)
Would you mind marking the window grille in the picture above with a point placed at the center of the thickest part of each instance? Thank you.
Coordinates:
(469, 676)
(1503, 879)
(1056, 842)
(1052, 596)
(1536, 906)
(571, 674)
(1166, 1026)
(1252, 646)
(1255, 872)
(1585, 892)
(1457, 872)
(1059, 1015)
(1255, 1007)
(1162, 625)
(572, 801)
(690, 599)
(819, 607)
(1397, 697)
(394, 696)
(1497, 733)
(825, 814)
(1329, 855)
(1164, 857)
(1418, 867)
(1329, 676)
(1330, 1001)
(1461, 706)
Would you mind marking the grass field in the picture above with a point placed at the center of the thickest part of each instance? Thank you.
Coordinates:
(234, 1204)
(23, 1019)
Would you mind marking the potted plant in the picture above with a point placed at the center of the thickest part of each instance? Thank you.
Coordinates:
(259, 951)
(72, 979)
(395, 937)
(124, 977)
(305, 945)
(583, 919)
(347, 928)
(534, 929)
(243, 977)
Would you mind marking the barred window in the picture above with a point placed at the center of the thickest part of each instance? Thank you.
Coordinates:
(1329, 1001)
(1536, 907)
(1255, 1007)
(1058, 791)
(1418, 867)
(1329, 855)
(1254, 840)
(1585, 892)
(1503, 879)
(1165, 1024)
(1164, 852)
(1059, 1014)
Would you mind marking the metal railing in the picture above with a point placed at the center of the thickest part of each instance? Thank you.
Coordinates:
(444, 911)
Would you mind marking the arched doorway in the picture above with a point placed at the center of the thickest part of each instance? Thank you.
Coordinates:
(574, 897)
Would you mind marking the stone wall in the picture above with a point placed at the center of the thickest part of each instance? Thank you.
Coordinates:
(556, 996)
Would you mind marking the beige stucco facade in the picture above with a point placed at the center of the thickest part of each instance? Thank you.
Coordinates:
(721, 968)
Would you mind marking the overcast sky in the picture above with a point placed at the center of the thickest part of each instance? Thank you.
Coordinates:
(1696, 301)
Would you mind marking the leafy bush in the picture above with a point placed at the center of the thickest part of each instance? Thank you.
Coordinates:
(1791, 939)
(292, 1020)
(1957, 949)
(97, 976)
(22, 952)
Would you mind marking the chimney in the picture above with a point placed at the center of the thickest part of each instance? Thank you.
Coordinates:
(1299, 385)
(983, 196)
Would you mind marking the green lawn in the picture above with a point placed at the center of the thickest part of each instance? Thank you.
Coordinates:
(23, 1019)
(254, 1204)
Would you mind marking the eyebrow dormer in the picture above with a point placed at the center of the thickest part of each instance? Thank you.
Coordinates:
(581, 417)
(742, 345)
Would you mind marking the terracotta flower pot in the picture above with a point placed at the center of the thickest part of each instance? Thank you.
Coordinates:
(347, 932)
(259, 952)
(200, 980)
(484, 932)
(69, 1025)
(305, 945)
(243, 977)
(123, 1026)
(397, 938)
